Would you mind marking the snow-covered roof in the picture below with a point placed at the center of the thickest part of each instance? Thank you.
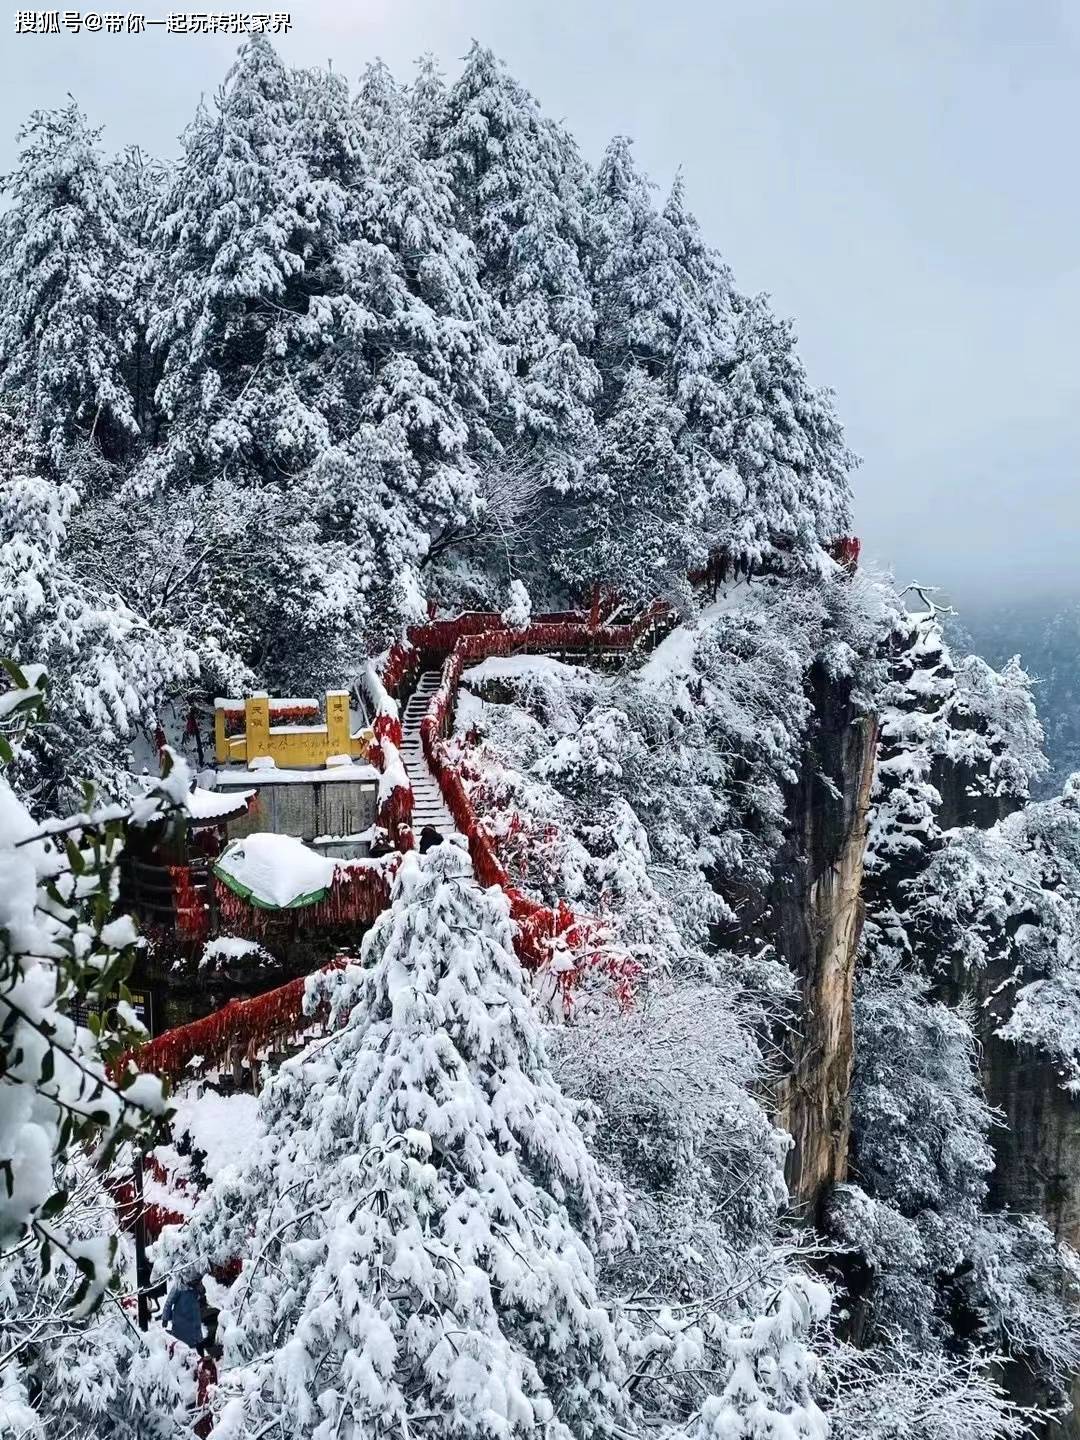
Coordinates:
(516, 667)
(230, 778)
(277, 703)
(274, 870)
(215, 805)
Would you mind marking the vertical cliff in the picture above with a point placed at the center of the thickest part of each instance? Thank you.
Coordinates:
(818, 913)
(1037, 1145)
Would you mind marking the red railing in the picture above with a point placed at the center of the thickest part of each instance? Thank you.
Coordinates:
(550, 936)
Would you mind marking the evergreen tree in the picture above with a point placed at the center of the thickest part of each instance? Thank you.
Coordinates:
(785, 444)
(642, 526)
(417, 1223)
(943, 1274)
(140, 183)
(235, 319)
(420, 374)
(67, 273)
(520, 186)
(427, 105)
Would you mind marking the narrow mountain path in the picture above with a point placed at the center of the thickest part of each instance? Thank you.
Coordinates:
(429, 807)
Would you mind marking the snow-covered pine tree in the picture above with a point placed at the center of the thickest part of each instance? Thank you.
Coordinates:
(642, 524)
(66, 280)
(234, 323)
(421, 373)
(784, 442)
(427, 105)
(632, 269)
(519, 186)
(940, 1273)
(416, 1227)
(960, 743)
(638, 297)
(706, 338)
(140, 183)
(252, 224)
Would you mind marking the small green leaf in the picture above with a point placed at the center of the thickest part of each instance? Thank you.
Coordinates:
(18, 678)
(54, 1204)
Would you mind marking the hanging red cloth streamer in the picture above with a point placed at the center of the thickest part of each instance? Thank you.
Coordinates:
(846, 551)
(190, 904)
(243, 1025)
(304, 712)
(355, 896)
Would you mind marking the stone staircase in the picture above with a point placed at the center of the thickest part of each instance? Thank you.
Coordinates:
(429, 807)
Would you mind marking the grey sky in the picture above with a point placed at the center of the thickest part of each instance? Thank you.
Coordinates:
(897, 175)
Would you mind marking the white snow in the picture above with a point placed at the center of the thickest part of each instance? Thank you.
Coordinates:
(674, 654)
(210, 805)
(516, 667)
(224, 1127)
(232, 947)
(359, 837)
(276, 868)
(278, 703)
(227, 779)
(468, 709)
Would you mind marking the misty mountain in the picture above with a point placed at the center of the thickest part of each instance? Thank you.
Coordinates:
(1046, 636)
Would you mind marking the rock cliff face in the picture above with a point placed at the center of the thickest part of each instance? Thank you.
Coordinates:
(1037, 1156)
(818, 917)
(1037, 1147)
(1037, 1169)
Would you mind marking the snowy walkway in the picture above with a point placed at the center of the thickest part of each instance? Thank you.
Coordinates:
(429, 807)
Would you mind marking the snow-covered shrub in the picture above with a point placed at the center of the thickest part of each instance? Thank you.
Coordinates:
(669, 1086)
(941, 1273)
(58, 1098)
(518, 609)
(109, 668)
(1003, 905)
(58, 940)
(896, 1391)
(85, 1375)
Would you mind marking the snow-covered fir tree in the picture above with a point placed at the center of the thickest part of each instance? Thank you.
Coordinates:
(940, 1270)
(110, 669)
(68, 275)
(237, 219)
(416, 1226)
(519, 190)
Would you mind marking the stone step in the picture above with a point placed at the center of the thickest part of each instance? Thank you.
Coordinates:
(429, 807)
